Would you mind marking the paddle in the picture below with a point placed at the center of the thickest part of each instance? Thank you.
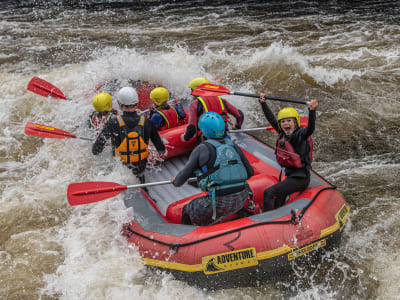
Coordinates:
(50, 132)
(42, 87)
(303, 123)
(95, 191)
(207, 89)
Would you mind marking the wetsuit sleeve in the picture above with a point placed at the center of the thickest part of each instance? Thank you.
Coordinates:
(192, 127)
(155, 137)
(312, 115)
(103, 137)
(246, 163)
(156, 119)
(270, 116)
(234, 112)
(180, 111)
(191, 165)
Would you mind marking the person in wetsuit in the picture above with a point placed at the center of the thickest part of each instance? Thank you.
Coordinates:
(129, 134)
(221, 169)
(293, 152)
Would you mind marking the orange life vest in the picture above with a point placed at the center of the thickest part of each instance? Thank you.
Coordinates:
(133, 148)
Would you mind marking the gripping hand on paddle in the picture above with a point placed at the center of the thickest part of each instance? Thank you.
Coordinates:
(262, 97)
(312, 104)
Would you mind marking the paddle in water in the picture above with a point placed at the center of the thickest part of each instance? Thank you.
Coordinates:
(95, 191)
(50, 132)
(208, 89)
(42, 87)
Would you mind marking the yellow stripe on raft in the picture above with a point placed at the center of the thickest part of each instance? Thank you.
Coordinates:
(340, 217)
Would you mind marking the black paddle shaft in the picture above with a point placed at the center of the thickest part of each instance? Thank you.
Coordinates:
(268, 97)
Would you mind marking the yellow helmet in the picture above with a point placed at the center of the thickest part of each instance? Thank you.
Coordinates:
(159, 95)
(194, 83)
(102, 102)
(288, 112)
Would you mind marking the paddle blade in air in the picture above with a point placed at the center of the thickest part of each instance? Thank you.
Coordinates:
(92, 191)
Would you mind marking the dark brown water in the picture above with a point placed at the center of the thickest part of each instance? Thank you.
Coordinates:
(346, 56)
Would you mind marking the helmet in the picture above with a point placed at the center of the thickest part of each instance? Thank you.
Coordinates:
(194, 83)
(212, 125)
(288, 112)
(159, 95)
(102, 102)
(128, 96)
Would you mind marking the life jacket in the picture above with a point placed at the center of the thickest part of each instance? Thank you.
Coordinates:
(215, 104)
(170, 117)
(99, 119)
(228, 171)
(132, 148)
(286, 156)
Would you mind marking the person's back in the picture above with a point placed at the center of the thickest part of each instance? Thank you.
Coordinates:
(102, 104)
(201, 105)
(163, 115)
(129, 134)
(221, 169)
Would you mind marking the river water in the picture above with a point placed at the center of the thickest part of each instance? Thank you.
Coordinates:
(344, 55)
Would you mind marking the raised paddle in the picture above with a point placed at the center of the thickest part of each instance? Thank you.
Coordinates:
(42, 87)
(95, 191)
(303, 123)
(207, 89)
(50, 132)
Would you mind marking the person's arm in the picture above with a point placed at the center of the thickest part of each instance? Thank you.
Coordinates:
(179, 109)
(155, 137)
(234, 112)
(246, 163)
(192, 127)
(191, 165)
(268, 113)
(102, 138)
(156, 119)
(312, 115)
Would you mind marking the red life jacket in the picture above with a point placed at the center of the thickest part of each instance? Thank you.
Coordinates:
(286, 156)
(170, 117)
(98, 119)
(215, 104)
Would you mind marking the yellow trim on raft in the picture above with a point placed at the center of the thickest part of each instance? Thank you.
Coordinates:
(341, 218)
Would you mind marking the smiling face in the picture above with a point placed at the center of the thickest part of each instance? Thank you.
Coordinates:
(288, 125)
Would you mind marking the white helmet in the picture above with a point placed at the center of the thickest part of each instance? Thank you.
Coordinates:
(128, 96)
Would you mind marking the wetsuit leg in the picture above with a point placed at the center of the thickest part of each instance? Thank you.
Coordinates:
(185, 217)
(275, 196)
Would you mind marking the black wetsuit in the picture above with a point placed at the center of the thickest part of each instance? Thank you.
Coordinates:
(113, 131)
(297, 179)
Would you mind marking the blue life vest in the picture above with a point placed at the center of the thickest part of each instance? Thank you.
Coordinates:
(228, 170)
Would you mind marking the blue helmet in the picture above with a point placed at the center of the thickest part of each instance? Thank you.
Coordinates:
(212, 125)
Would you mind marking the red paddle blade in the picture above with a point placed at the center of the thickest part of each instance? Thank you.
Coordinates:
(92, 191)
(208, 89)
(47, 131)
(44, 88)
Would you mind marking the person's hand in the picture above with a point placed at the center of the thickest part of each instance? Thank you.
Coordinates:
(262, 97)
(177, 100)
(313, 104)
(172, 179)
(183, 137)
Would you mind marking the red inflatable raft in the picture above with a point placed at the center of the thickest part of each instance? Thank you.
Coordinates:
(241, 248)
